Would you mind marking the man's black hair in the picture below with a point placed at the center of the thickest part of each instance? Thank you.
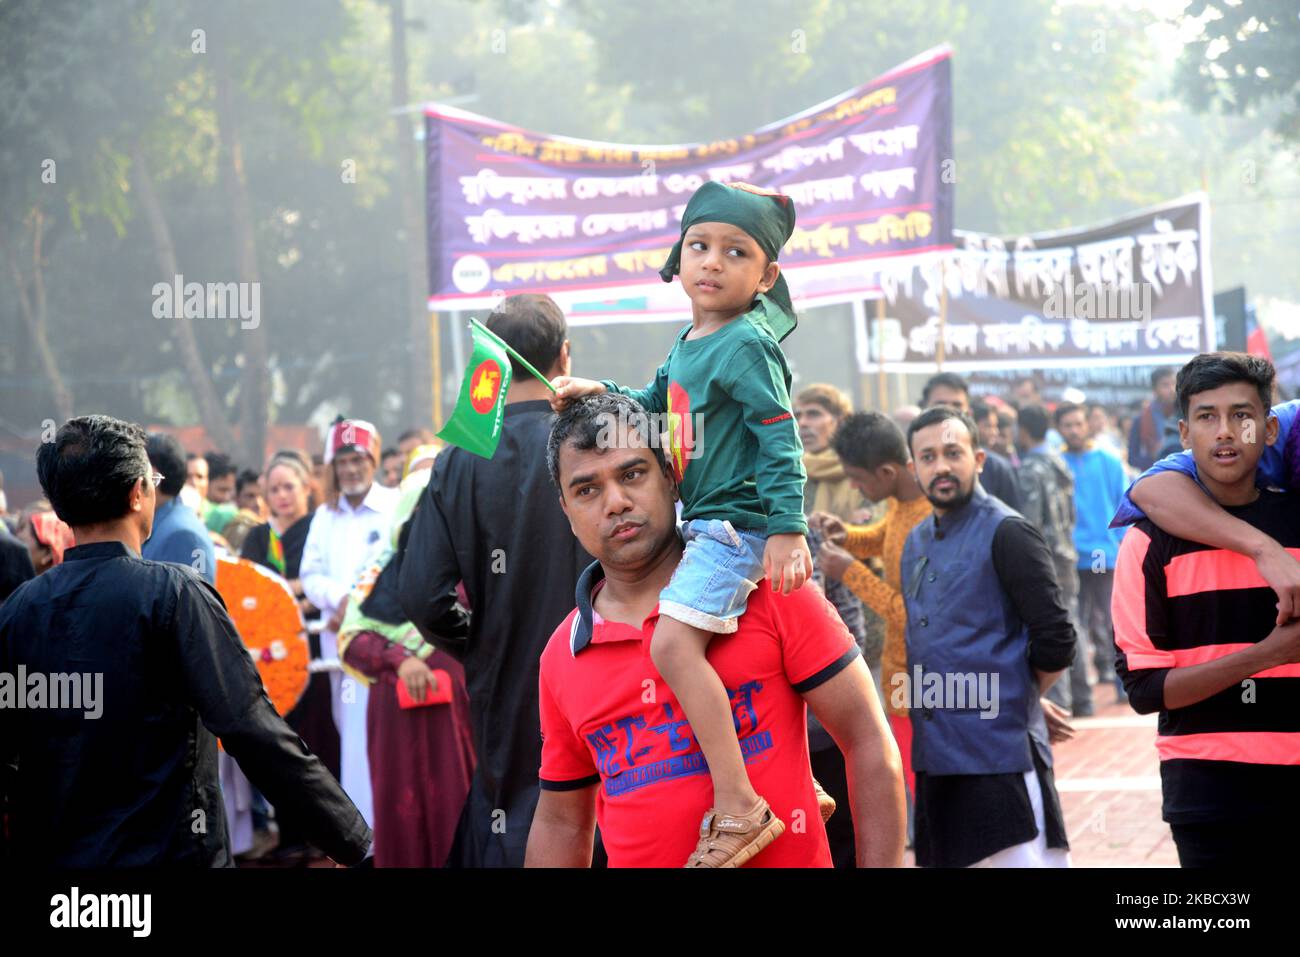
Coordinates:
(979, 410)
(1067, 408)
(1033, 422)
(219, 466)
(167, 456)
(388, 453)
(1161, 372)
(1210, 370)
(244, 479)
(533, 326)
(583, 422)
(942, 413)
(948, 380)
(88, 470)
(868, 440)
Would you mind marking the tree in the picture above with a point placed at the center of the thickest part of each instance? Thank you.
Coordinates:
(1245, 56)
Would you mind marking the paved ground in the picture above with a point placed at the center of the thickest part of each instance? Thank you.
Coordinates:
(1108, 777)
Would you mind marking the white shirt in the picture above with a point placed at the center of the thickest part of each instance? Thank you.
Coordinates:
(338, 543)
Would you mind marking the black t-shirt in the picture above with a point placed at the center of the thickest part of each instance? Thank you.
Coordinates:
(1234, 757)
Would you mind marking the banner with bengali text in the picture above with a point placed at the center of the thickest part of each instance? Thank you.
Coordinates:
(590, 223)
(1135, 290)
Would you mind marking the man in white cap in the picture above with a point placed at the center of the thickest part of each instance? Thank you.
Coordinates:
(346, 527)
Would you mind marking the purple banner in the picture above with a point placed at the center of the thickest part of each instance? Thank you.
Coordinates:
(591, 223)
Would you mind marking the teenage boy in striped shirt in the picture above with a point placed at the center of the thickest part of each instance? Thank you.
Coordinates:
(1198, 641)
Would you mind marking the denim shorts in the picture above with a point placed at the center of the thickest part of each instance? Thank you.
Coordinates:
(718, 570)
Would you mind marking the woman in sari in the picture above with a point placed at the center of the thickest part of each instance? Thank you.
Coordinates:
(421, 758)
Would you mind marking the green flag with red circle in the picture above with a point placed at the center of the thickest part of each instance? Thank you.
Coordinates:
(475, 423)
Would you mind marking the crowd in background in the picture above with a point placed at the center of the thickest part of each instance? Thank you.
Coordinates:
(385, 599)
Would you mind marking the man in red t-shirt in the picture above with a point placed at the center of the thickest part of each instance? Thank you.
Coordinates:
(616, 747)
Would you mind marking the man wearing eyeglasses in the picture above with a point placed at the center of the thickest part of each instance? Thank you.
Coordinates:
(178, 534)
(129, 779)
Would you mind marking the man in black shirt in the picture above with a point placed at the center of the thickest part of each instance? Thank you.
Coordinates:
(497, 526)
(115, 675)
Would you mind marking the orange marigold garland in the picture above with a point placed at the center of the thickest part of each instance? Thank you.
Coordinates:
(271, 626)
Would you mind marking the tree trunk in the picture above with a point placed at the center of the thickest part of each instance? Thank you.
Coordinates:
(211, 411)
(254, 392)
(421, 404)
(32, 307)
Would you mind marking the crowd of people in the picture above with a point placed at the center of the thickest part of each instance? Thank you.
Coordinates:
(831, 634)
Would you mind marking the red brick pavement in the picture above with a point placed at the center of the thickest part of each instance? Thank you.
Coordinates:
(1108, 777)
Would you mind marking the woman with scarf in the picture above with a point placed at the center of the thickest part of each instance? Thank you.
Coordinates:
(422, 757)
(277, 545)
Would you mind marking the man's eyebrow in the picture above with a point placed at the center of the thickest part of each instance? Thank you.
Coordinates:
(582, 479)
(1202, 406)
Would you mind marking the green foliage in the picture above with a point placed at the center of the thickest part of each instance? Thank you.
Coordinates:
(1064, 114)
(1246, 56)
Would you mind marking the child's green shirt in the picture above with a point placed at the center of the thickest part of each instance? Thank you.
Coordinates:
(733, 443)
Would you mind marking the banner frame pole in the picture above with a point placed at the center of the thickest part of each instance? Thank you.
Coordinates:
(435, 361)
(882, 384)
(943, 316)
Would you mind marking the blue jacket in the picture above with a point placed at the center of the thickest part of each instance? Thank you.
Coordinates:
(179, 537)
(961, 623)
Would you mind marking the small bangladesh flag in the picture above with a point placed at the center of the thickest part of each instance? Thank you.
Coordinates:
(475, 423)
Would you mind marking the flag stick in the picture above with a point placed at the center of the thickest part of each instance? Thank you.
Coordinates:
(514, 355)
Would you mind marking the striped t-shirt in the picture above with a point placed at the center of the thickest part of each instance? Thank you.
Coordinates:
(1176, 604)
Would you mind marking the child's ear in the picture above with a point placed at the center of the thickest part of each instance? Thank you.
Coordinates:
(770, 275)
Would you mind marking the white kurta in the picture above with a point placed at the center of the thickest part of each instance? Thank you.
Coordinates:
(338, 543)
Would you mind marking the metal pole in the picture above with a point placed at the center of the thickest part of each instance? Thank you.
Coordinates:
(881, 384)
(943, 316)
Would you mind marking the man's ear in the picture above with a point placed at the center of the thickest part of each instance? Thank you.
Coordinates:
(770, 275)
(980, 457)
(1185, 435)
(135, 498)
(565, 360)
(672, 482)
(1270, 428)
